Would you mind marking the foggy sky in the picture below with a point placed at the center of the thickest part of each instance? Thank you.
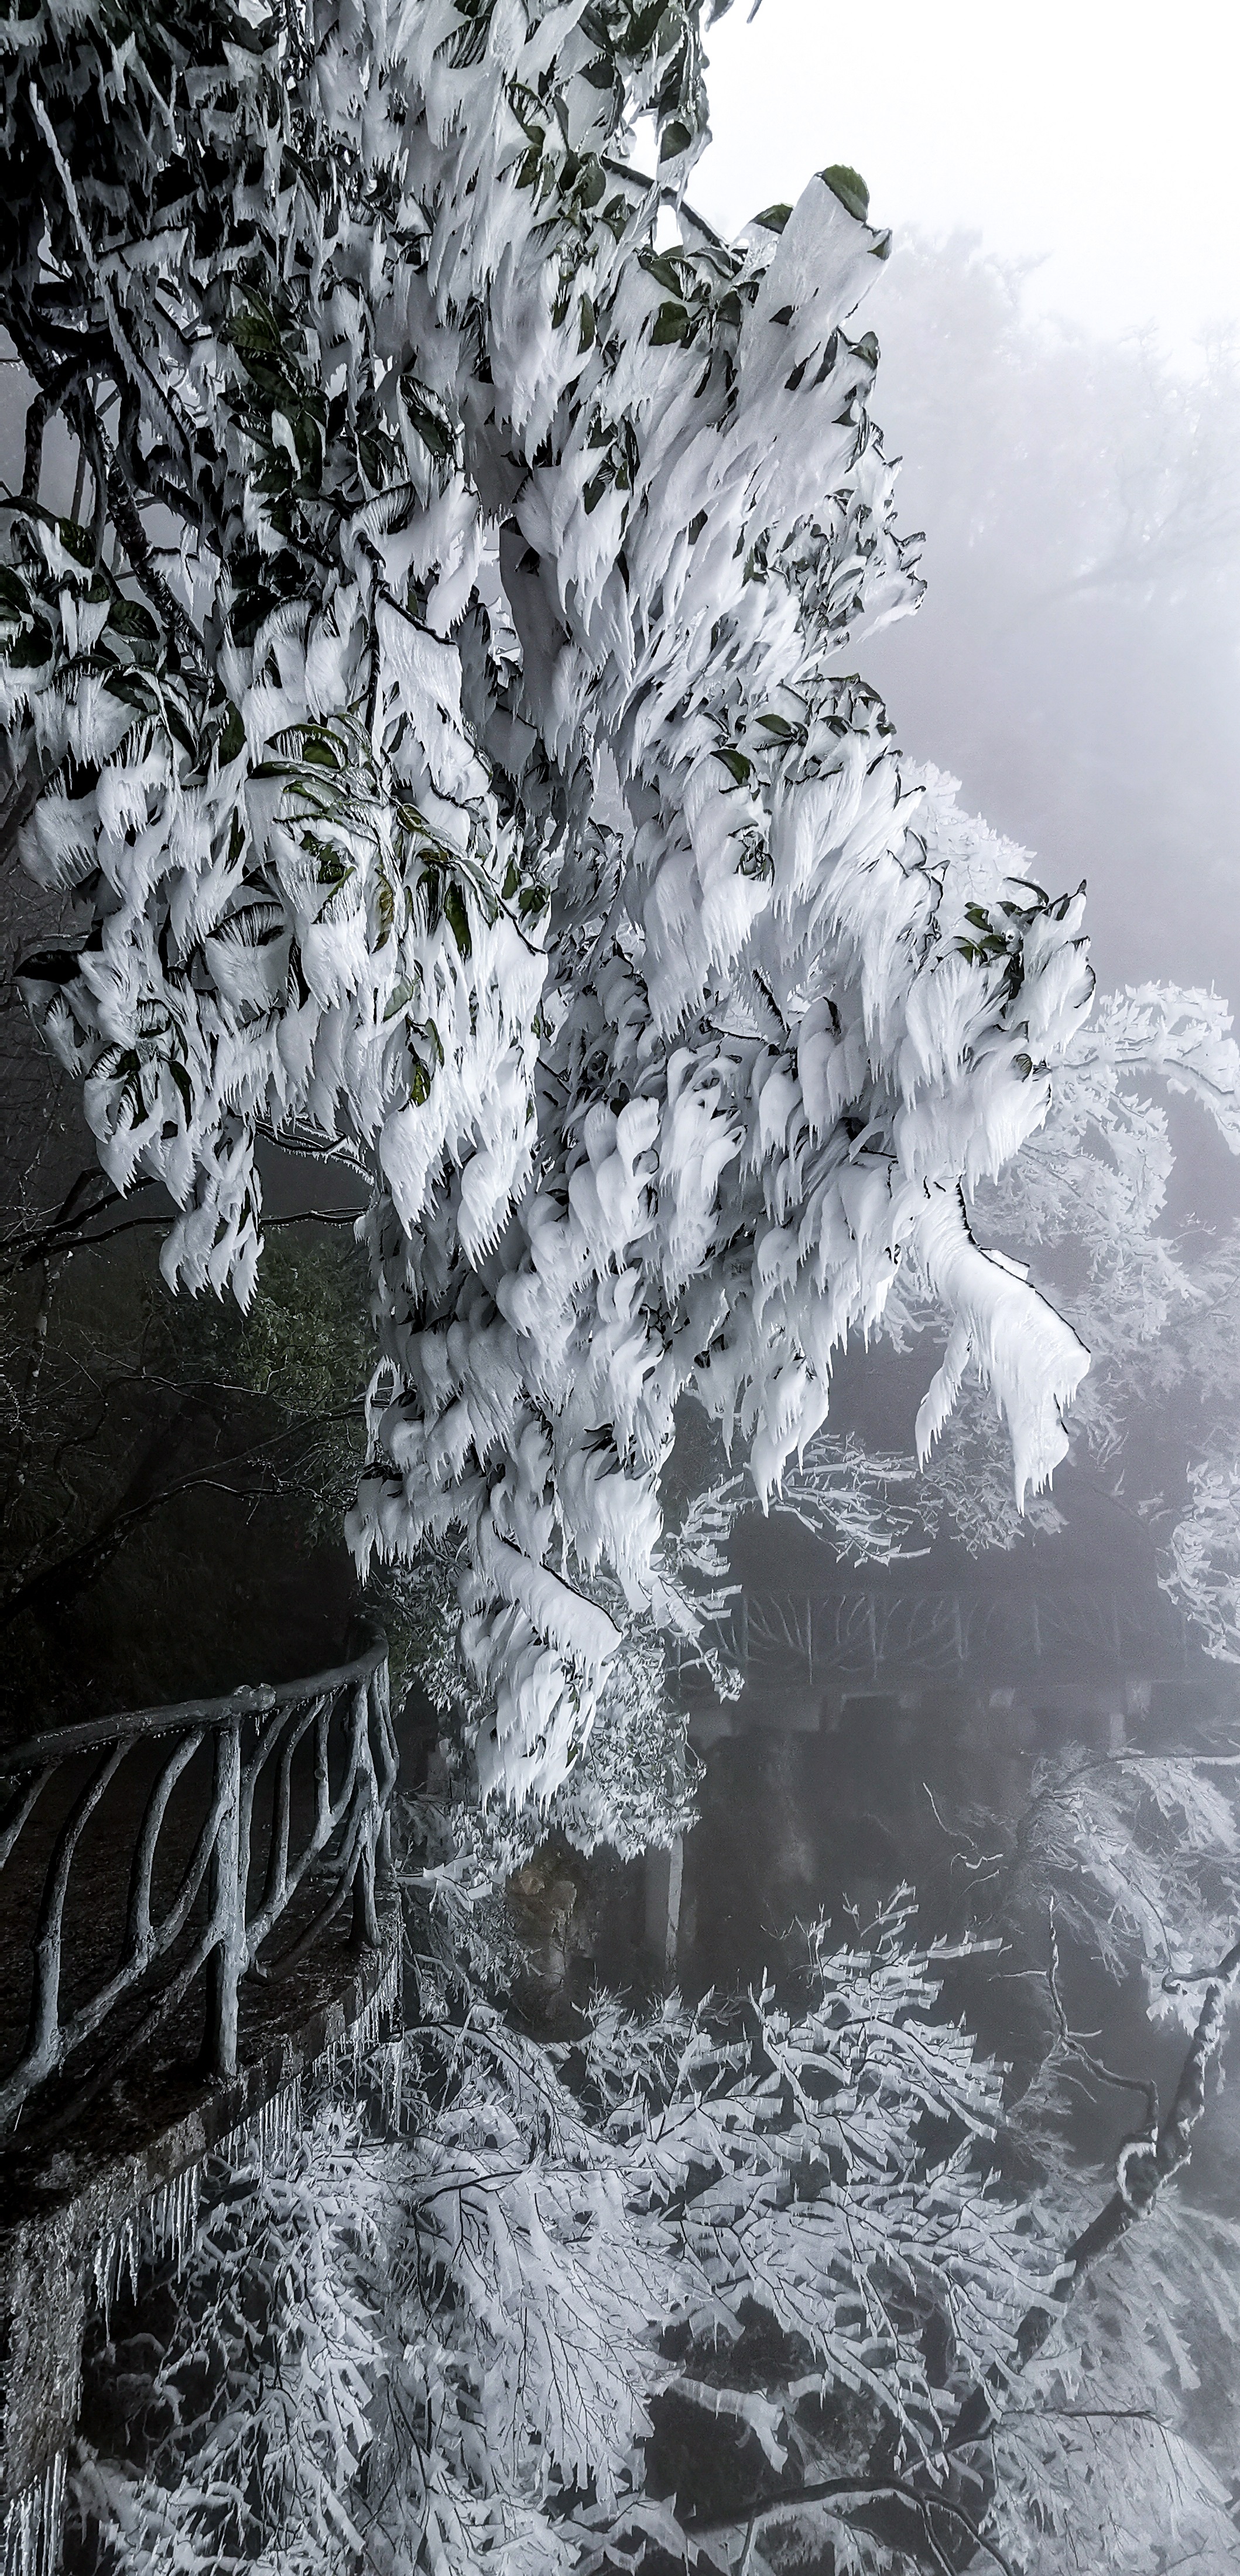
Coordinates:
(1095, 137)
(1076, 662)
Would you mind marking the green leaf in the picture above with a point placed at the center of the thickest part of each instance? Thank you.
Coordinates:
(232, 739)
(419, 1083)
(254, 328)
(400, 998)
(429, 418)
(671, 322)
(77, 541)
(779, 726)
(32, 648)
(696, 525)
(674, 140)
(586, 340)
(850, 188)
(249, 608)
(182, 1081)
(642, 27)
(458, 918)
(130, 618)
(179, 729)
(773, 218)
(735, 761)
(662, 269)
(319, 747)
(133, 688)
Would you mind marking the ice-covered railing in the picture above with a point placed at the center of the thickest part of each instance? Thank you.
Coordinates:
(201, 1844)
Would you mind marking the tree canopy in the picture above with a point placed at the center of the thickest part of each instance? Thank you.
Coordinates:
(439, 712)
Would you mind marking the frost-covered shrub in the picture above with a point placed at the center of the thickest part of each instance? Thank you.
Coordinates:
(606, 2305)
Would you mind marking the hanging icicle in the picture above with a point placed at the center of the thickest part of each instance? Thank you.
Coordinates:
(31, 2531)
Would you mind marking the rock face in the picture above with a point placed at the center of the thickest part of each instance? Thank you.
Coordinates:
(580, 1922)
(548, 1901)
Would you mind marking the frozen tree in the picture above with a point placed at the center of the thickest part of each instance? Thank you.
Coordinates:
(1158, 1417)
(705, 2286)
(1160, 1414)
(1204, 1554)
(438, 708)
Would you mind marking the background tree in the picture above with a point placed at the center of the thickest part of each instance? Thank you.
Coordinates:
(176, 1472)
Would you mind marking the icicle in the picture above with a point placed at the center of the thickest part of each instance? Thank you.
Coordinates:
(30, 2532)
(374, 2022)
(162, 2227)
(171, 2220)
(116, 2260)
(259, 2139)
(392, 2080)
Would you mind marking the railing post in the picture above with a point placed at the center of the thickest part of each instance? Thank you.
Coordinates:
(225, 1908)
(365, 1930)
(379, 1718)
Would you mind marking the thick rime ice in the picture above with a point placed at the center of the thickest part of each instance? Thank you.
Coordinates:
(365, 2038)
(161, 2231)
(508, 806)
(33, 2521)
(258, 2140)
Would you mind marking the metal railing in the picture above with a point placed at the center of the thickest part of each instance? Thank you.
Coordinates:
(139, 1854)
(860, 1633)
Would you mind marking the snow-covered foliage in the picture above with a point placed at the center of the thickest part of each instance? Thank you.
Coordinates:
(1095, 2460)
(1137, 1853)
(1086, 1198)
(632, 1783)
(1095, 1179)
(617, 2299)
(1159, 1312)
(439, 716)
(1203, 1573)
(248, 2419)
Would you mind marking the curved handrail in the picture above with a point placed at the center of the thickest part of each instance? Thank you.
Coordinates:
(302, 1775)
(247, 1697)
